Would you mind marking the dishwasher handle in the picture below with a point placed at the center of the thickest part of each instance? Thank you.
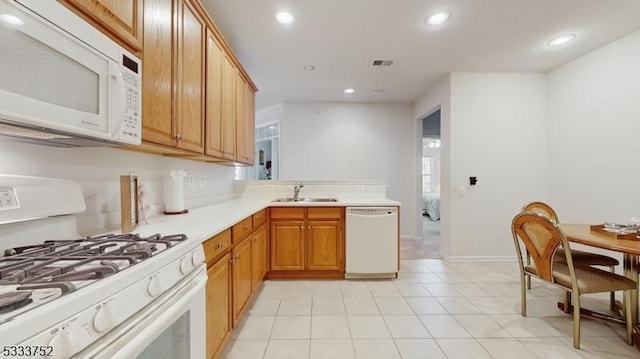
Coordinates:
(374, 211)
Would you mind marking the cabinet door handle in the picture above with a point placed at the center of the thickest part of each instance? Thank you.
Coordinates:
(246, 227)
(219, 245)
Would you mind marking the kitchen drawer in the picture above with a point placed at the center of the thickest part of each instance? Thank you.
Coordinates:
(216, 245)
(325, 213)
(259, 218)
(287, 213)
(242, 229)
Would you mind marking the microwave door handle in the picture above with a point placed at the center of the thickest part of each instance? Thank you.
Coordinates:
(117, 104)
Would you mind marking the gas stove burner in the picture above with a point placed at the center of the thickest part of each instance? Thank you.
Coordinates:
(14, 300)
(142, 246)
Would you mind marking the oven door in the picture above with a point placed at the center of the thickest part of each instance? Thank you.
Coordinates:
(172, 327)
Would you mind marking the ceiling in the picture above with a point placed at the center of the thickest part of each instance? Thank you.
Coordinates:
(341, 38)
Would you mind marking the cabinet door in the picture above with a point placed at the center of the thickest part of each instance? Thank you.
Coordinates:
(157, 80)
(258, 256)
(229, 75)
(325, 246)
(190, 79)
(213, 90)
(250, 119)
(218, 305)
(120, 18)
(241, 261)
(287, 245)
(241, 121)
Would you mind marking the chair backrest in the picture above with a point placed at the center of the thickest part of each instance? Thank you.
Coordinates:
(541, 237)
(541, 208)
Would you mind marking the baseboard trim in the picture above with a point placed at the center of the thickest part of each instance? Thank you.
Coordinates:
(467, 259)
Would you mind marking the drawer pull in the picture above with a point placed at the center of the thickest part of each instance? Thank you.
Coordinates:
(219, 245)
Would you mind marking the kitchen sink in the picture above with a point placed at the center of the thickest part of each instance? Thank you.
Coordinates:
(305, 200)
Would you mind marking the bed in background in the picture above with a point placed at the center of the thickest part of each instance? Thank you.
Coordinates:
(431, 205)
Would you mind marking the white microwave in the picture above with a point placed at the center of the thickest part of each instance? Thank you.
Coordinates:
(63, 81)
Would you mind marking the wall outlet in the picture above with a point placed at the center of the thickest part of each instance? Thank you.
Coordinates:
(462, 190)
(203, 182)
(360, 187)
(270, 186)
(190, 180)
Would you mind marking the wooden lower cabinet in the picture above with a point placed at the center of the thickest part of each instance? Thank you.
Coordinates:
(218, 308)
(241, 277)
(325, 245)
(258, 256)
(287, 245)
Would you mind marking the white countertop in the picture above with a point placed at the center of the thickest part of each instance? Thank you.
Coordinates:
(202, 223)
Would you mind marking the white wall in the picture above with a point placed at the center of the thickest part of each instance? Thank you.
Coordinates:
(352, 141)
(594, 134)
(498, 133)
(98, 171)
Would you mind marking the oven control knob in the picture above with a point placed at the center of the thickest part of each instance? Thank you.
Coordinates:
(197, 257)
(185, 265)
(154, 288)
(62, 344)
(103, 320)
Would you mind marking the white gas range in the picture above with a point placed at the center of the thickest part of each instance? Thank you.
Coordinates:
(107, 296)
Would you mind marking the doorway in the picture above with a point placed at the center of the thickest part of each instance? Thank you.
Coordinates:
(428, 245)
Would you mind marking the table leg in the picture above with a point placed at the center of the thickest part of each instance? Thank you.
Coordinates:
(630, 263)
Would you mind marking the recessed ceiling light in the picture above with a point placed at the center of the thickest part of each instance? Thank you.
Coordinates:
(309, 67)
(349, 91)
(10, 19)
(438, 18)
(284, 17)
(378, 92)
(561, 40)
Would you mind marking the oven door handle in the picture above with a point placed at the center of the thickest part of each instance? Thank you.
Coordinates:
(132, 337)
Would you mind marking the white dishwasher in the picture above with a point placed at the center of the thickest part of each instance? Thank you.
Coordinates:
(372, 242)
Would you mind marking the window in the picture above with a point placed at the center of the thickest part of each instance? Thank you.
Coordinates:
(427, 174)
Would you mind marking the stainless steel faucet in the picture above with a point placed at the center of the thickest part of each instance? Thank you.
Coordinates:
(296, 190)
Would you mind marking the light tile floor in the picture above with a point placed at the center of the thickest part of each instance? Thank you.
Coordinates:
(435, 309)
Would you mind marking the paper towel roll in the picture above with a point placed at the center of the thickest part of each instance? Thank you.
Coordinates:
(174, 194)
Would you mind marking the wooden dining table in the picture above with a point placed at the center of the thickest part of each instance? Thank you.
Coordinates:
(630, 249)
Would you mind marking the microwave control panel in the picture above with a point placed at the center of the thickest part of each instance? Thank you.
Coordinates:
(8, 199)
(132, 126)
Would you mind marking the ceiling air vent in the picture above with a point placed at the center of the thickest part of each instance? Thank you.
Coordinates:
(380, 63)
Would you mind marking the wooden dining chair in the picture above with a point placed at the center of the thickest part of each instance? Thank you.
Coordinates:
(579, 257)
(542, 239)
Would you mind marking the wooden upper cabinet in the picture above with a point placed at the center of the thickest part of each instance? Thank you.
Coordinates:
(229, 76)
(189, 78)
(118, 19)
(250, 116)
(157, 75)
(245, 123)
(213, 90)
(241, 122)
